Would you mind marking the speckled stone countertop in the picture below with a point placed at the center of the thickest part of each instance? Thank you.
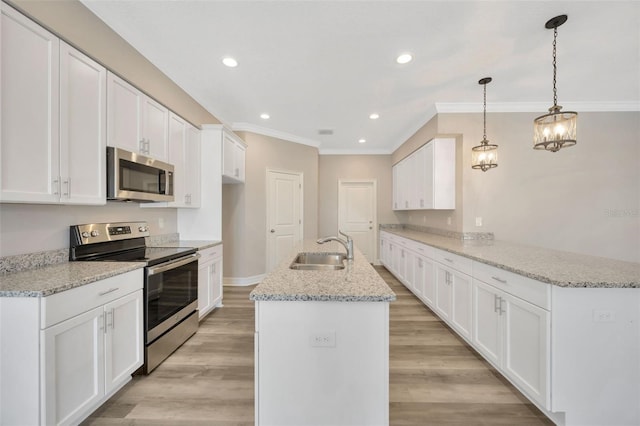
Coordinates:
(53, 279)
(556, 267)
(198, 244)
(358, 282)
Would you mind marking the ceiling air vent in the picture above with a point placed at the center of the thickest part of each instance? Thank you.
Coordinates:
(325, 132)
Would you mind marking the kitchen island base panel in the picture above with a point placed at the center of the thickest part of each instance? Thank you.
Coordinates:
(328, 363)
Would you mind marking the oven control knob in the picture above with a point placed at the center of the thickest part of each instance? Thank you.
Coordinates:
(143, 229)
(94, 233)
(85, 234)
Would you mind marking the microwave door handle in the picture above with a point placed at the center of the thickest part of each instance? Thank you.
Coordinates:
(163, 267)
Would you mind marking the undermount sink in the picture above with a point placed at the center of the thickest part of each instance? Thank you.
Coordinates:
(318, 261)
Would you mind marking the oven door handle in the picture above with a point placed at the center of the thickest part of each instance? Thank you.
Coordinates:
(172, 265)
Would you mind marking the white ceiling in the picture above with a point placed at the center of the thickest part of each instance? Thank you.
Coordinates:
(328, 64)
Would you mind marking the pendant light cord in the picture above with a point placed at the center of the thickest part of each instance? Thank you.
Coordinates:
(555, 92)
(484, 135)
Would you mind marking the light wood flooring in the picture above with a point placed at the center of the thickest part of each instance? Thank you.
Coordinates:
(434, 377)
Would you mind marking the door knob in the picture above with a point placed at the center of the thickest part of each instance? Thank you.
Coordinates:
(273, 230)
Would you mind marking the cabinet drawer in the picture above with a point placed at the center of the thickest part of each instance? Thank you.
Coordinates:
(534, 292)
(420, 248)
(210, 253)
(460, 263)
(67, 304)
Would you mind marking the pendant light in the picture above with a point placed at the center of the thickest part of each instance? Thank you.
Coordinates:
(557, 129)
(485, 155)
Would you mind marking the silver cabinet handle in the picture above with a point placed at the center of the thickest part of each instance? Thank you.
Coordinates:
(56, 186)
(67, 186)
(500, 280)
(111, 290)
(448, 260)
(502, 311)
(496, 306)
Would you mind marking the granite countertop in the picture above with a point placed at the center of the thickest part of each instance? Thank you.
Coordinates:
(556, 267)
(53, 279)
(358, 282)
(198, 244)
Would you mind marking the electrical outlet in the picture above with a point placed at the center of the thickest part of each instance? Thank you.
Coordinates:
(602, 315)
(161, 223)
(478, 221)
(323, 339)
(448, 220)
(424, 218)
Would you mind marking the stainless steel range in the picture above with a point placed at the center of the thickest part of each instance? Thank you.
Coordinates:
(170, 281)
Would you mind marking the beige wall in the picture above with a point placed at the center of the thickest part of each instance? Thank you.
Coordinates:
(77, 25)
(29, 228)
(244, 216)
(584, 199)
(334, 167)
(419, 138)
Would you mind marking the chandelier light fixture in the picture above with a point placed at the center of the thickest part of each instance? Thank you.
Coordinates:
(557, 129)
(485, 155)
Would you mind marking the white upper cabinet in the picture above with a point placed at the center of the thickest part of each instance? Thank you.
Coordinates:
(194, 164)
(137, 123)
(233, 158)
(53, 118)
(427, 178)
(83, 135)
(30, 100)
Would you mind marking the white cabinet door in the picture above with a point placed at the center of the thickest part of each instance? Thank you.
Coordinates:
(205, 287)
(233, 158)
(419, 181)
(124, 115)
(427, 175)
(526, 347)
(124, 339)
(216, 282)
(418, 276)
(443, 170)
(428, 280)
(177, 140)
(29, 153)
(396, 187)
(82, 128)
(444, 279)
(209, 280)
(155, 123)
(461, 303)
(193, 165)
(73, 358)
(487, 324)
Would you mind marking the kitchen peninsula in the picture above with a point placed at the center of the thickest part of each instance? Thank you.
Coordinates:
(322, 344)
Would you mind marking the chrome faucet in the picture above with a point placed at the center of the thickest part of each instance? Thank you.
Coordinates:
(348, 243)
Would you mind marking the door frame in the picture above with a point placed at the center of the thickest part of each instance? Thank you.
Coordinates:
(374, 182)
(268, 207)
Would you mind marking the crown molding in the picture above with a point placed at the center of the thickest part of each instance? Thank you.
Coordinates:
(355, 152)
(248, 127)
(539, 107)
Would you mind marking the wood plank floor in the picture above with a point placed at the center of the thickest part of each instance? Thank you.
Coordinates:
(434, 378)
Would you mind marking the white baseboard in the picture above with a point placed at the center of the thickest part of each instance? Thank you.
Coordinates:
(242, 281)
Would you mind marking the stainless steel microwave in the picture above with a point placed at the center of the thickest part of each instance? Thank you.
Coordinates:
(134, 177)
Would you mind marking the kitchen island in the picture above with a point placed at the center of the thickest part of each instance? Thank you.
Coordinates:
(322, 344)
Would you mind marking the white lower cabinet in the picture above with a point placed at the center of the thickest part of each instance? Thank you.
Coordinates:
(73, 350)
(514, 335)
(453, 298)
(209, 280)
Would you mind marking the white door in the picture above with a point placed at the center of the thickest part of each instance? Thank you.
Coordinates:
(284, 215)
(357, 214)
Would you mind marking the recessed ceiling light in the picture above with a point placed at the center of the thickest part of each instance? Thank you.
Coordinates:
(265, 116)
(362, 140)
(404, 58)
(374, 116)
(230, 62)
